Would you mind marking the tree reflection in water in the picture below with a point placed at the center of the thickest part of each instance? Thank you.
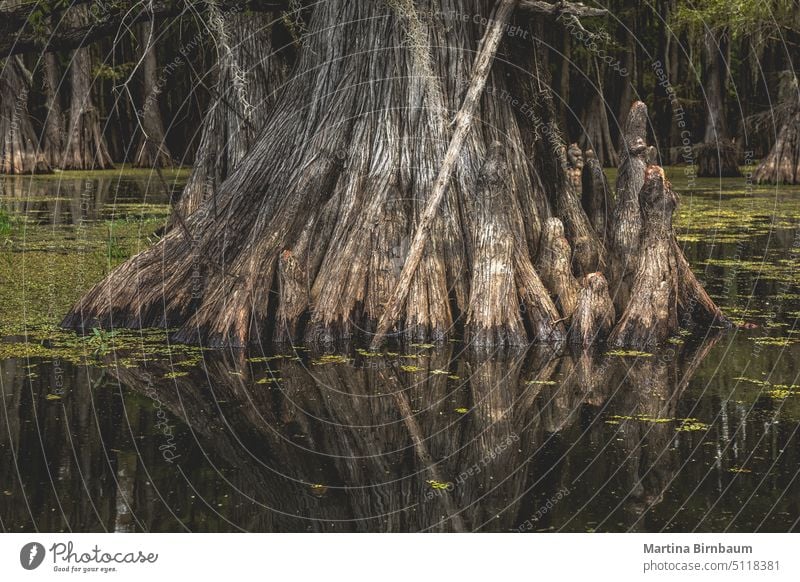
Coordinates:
(446, 441)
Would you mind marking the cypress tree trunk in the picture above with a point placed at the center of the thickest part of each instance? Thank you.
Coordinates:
(782, 163)
(717, 155)
(53, 130)
(250, 76)
(594, 123)
(19, 153)
(85, 147)
(152, 151)
(308, 233)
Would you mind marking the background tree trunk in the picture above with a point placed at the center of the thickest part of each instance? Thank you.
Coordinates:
(53, 130)
(717, 156)
(85, 147)
(19, 153)
(595, 130)
(782, 163)
(152, 151)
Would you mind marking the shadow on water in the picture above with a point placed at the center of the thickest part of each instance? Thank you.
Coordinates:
(435, 440)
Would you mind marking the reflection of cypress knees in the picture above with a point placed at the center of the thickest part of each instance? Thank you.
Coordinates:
(553, 265)
(782, 164)
(597, 197)
(651, 315)
(625, 220)
(594, 312)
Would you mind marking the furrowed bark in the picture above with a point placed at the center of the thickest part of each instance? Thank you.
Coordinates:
(597, 197)
(594, 312)
(462, 122)
(626, 222)
(250, 75)
(494, 316)
(309, 232)
(553, 265)
(651, 315)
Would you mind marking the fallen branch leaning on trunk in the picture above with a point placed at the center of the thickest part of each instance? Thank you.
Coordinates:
(463, 123)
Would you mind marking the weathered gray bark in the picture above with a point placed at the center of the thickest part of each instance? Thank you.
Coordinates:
(594, 314)
(501, 265)
(307, 237)
(554, 267)
(462, 125)
(665, 295)
(651, 315)
(329, 165)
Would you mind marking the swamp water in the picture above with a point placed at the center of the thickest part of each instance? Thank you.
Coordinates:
(121, 431)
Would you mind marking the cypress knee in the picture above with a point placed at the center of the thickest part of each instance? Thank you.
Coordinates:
(594, 313)
(651, 315)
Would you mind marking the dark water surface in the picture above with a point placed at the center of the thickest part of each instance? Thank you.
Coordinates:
(123, 432)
